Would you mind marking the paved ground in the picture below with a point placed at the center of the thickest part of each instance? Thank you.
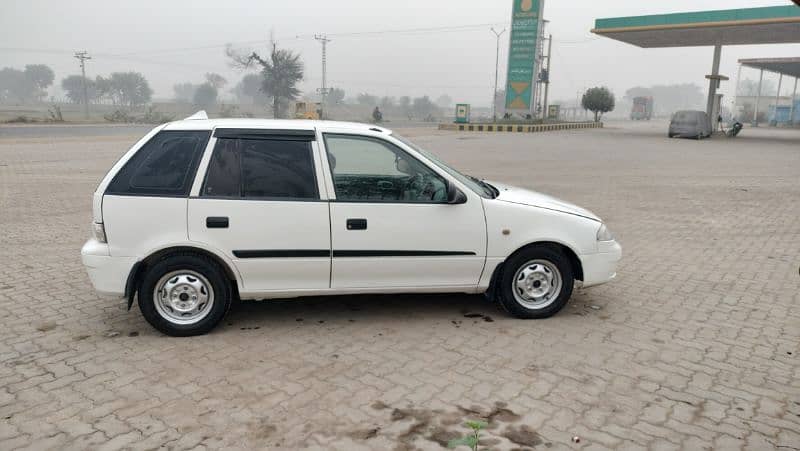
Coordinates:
(694, 346)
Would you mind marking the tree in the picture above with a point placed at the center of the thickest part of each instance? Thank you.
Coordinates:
(25, 85)
(39, 77)
(248, 90)
(598, 101)
(216, 80)
(367, 99)
(387, 103)
(205, 95)
(184, 92)
(281, 72)
(125, 88)
(405, 106)
(444, 101)
(749, 88)
(73, 87)
(12, 85)
(335, 96)
(424, 108)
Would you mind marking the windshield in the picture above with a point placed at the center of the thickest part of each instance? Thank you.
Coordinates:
(480, 187)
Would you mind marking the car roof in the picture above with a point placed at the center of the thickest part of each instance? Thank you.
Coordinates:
(272, 124)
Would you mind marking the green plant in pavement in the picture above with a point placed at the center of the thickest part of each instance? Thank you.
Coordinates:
(472, 440)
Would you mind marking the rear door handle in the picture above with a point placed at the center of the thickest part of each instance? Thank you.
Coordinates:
(217, 222)
(356, 224)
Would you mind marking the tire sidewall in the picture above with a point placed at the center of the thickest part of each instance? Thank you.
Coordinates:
(204, 266)
(554, 256)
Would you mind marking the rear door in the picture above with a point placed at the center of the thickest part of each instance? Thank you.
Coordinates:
(262, 204)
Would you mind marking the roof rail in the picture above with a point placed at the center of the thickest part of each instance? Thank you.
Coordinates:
(199, 116)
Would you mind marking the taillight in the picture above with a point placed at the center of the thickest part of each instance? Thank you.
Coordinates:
(99, 232)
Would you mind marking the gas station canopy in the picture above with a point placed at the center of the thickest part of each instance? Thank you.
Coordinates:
(783, 66)
(766, 25)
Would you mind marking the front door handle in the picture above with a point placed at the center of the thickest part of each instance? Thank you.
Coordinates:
(356, 224)
(217, 222)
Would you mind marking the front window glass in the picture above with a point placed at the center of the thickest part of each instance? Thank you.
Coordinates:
(483, 189)
(372, 170)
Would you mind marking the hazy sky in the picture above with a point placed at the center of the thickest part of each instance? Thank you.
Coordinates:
(179, 40)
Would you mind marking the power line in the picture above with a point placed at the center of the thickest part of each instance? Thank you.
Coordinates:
(441, 29)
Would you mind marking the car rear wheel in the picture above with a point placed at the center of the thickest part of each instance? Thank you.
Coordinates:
(536, 282)
(184, 295)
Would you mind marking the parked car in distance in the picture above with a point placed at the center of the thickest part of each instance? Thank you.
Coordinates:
(690, 124)
(200, 212)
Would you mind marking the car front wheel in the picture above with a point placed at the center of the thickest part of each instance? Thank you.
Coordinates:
(536, 282)
(184, 295)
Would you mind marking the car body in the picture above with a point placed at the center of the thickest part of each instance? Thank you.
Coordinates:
(690, 124)
(200, 211)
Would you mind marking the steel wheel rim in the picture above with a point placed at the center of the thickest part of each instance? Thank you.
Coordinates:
(537, 284)
(183, 297)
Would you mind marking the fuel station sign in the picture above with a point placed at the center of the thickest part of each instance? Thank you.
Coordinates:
(523, 46)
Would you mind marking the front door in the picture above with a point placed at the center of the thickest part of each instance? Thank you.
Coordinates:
(391, 225)
(260, 203)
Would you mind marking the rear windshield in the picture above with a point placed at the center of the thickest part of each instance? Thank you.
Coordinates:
(687, 117)
(164, 166)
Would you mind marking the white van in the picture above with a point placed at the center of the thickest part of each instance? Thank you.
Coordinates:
(200, 212)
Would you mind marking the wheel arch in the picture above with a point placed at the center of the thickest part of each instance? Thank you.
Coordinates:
(571, 255)
(140, 268)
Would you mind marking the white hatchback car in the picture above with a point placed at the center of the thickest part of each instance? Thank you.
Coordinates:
(200, 212)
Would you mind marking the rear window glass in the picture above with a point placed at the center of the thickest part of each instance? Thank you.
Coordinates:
(261, 169)
(164, 166)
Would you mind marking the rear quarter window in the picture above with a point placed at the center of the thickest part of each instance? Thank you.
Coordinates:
(164, 166)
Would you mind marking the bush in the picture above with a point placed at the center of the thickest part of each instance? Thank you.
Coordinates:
(151, 116)
(22, 119)
(120, 116)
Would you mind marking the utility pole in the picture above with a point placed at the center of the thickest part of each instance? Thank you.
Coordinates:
(547, 81)
(82, 57)
(496, 71)
(324, 90)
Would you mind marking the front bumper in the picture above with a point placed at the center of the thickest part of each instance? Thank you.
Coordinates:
(601, 267)
(108, 274)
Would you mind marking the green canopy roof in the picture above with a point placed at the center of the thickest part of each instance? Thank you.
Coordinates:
(784, 66)
(767, 25)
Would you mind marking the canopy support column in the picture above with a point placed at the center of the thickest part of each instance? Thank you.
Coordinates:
(794, 100)
(758, 99)
(778, 99)
(713, 84)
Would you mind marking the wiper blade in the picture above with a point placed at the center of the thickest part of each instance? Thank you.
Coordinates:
(490, 190)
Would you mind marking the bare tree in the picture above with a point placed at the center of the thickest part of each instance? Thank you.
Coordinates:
(216, 80)
(281, 72)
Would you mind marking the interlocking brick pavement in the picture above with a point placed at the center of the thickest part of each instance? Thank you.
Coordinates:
(694, 346)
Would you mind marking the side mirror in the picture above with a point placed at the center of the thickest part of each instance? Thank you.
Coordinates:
(454, 195)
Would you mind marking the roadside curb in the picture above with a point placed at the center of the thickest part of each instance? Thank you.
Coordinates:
(519, 128)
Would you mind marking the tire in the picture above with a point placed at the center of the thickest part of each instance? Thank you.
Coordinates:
(536, 261)
(193, 295)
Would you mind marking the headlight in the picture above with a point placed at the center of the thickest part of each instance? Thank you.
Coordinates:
(99, 231)
(604, 234)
